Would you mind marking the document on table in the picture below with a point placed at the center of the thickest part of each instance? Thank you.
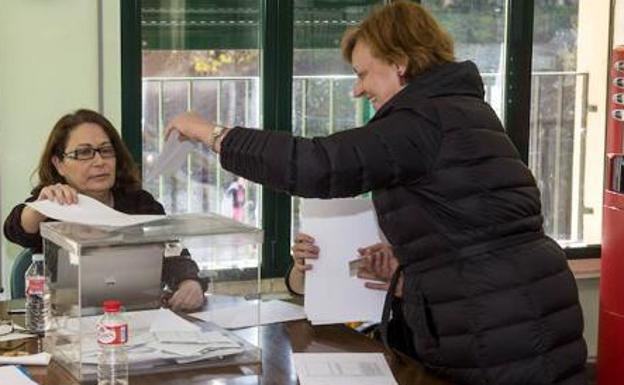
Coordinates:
(246, 314)
(12, 375)
(342, 369)
(340, 227)
(171, 157)
(18, 333)
(40, 359)
(157, 335)
(89, 211)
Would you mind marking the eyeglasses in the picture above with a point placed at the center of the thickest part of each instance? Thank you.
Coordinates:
(87, 153)
(6, 327)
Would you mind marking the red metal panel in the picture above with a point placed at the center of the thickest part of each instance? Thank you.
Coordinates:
(615, 127)
(611, 322)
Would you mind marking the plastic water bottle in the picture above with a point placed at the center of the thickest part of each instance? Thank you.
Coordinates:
(112, 335)
(37, 296)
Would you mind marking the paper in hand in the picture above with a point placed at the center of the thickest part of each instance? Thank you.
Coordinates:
(171, 157)
(355, 266)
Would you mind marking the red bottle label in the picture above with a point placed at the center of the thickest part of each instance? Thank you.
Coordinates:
(35, 285)
(112, 334)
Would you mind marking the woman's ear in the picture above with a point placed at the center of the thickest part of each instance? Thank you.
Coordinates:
(401, 69)
(58, 165)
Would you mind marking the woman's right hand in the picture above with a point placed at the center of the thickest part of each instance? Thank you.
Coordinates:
(302, 249)
(61, 193)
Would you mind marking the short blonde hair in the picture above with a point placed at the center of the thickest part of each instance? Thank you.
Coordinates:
(402, 33)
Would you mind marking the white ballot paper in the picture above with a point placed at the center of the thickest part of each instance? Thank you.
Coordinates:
(89, 211)
(11, 375)
(246, 314)
(340, 227)
(41, 359)
(342, 369)
(160, 335)
(171, 158)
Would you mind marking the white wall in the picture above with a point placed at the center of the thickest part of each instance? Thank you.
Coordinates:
(49, 65)
(592, 58)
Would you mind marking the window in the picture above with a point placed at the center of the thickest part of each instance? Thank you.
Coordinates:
(322, 84)
(205, 57)
(566, 134)
(478, 29)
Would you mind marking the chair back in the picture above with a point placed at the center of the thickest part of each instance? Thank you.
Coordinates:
(20, 265)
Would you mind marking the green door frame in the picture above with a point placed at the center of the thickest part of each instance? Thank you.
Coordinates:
(276, 75)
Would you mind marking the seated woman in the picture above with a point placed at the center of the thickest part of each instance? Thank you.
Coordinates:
(84, 154)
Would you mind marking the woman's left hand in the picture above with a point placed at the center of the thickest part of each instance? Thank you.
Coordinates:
(189, 296)
(191, 126)
(380, 265)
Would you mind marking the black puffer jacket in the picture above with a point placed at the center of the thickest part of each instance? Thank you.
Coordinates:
(488, 297)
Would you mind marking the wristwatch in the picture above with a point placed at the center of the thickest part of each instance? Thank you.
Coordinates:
(217, 132)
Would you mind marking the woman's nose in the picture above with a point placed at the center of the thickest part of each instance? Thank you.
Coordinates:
(358, 90)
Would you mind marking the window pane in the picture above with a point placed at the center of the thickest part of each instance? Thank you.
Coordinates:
(478, 29)
(204, 56)
(322, 83)
(566, 67)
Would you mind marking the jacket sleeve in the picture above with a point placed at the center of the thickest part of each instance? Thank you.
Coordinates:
(389, 151)
(178, 269)
(14, 231)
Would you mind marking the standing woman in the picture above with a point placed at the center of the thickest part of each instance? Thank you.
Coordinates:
(84, 154)
(487, 296)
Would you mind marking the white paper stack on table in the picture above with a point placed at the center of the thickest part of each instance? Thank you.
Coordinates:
(12, 375)
(156, 335)
(340, 227)
(89, 211)
(247, 313)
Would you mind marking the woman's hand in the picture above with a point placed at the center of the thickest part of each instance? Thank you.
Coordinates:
(379, 265)
(189, 296)
(191, 126)
(60, 193)
(302, 249)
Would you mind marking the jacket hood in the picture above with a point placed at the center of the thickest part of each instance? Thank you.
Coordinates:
(453, 78)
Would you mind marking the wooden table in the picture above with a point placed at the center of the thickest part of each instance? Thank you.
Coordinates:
(278, 341)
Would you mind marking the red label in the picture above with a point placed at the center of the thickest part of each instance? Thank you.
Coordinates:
(112, 334)
(35, 285)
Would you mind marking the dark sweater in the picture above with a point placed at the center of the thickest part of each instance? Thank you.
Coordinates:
(175, 269)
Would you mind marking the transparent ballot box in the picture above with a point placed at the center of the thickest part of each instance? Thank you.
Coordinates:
(90, 264)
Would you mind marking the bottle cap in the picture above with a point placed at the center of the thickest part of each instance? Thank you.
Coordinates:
(37, 257)
(111, 306)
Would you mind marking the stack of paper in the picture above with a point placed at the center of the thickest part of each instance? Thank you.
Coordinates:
(340, 227)
(342, 369)
(156, 335)
(12, 375)
(246, 314)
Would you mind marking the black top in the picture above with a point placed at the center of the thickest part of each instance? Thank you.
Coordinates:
(175, 269)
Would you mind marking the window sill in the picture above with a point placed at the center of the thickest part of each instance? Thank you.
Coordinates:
(585, 268)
